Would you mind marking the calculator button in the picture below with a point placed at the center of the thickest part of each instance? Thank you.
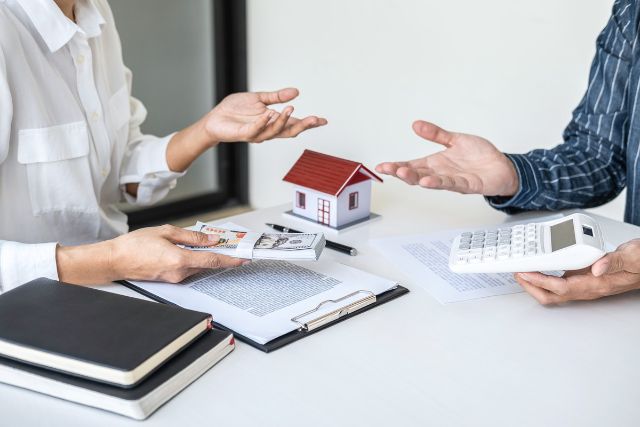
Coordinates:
(518, 227)
(467, 234)
(462, 259)
(488, 255)
(479, 245)
(491, 244)
(475, 258)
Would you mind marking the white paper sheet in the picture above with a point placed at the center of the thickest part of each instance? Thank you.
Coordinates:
(425, 259)
(259, 300)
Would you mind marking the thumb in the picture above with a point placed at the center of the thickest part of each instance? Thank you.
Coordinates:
(279, 96)
(433, 133)
(611, 263)
(191, 238)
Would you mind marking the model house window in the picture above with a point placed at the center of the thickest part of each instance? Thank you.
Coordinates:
(353, 200)
(302, 200)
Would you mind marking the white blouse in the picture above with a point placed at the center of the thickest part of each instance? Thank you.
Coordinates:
(69, 135)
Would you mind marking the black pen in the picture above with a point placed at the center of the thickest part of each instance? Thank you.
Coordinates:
(332, 245)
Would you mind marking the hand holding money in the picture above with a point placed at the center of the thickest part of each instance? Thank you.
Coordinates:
(251, 245)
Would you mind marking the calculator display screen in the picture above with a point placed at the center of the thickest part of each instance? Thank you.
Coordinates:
(562, 235)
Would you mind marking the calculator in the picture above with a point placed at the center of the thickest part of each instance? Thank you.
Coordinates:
(568, 243)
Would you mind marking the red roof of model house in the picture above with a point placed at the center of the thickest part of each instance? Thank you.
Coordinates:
(327, 174)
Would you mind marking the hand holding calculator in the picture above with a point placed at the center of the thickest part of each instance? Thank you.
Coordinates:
(568, 243)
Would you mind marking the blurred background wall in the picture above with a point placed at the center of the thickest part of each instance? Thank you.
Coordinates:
(509, 70)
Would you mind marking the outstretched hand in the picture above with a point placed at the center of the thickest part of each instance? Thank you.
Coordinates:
(248, 117)
(468, 164)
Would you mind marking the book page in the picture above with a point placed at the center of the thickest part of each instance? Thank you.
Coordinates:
(258, 300)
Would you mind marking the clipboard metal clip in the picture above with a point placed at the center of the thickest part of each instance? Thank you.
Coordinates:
(369, 298)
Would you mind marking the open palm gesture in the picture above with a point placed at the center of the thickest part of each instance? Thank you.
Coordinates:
(468, 164)
(247, 117)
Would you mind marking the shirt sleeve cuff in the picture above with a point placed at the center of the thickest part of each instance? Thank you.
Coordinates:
(147, 166)
(20, 263)
(529, 185)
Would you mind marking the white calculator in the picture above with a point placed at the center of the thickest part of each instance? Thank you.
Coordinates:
(568, 243)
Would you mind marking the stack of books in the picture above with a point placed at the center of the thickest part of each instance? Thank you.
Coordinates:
(104, 350)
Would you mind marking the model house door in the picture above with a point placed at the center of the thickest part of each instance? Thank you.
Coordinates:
(324, 210)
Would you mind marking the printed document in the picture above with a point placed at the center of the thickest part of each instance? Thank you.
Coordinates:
(425, 259)
(258, 300)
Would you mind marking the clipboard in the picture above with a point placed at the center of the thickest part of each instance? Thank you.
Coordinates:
(366, 300)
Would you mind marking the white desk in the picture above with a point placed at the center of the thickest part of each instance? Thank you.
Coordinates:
(502, 361)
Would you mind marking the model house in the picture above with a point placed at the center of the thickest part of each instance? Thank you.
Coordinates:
(330, 190)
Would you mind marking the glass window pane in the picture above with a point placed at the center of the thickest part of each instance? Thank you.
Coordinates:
(169, 47)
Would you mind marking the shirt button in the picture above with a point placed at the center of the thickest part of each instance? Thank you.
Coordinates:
(104, 173)
(80, 59)
(95, 116)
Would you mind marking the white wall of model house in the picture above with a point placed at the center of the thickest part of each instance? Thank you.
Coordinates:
(346, 215)
(339, 212)
(310, 209)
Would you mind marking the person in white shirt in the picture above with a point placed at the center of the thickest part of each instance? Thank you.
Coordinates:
(71, 149)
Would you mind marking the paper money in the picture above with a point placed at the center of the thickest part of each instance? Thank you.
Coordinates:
(291, 246)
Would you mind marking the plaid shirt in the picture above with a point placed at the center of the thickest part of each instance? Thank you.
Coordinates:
(601, 148)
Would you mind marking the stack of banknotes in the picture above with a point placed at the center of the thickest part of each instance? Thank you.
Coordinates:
(251, 245)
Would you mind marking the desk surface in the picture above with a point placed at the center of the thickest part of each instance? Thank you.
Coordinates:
(500, 361)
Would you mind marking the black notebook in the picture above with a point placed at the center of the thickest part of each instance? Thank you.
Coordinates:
(93, 334)
(137, 402)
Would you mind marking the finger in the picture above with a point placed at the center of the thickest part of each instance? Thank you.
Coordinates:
(542, 296)
(445, 182)
(433, 133)
(208, 260)
(188, 237)
(557, 285)
(255, 128)
(610, 263)
(581, 272)
(297, 126)
(389, 168)
(276, 126)
(279, 96)
(412, 176)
